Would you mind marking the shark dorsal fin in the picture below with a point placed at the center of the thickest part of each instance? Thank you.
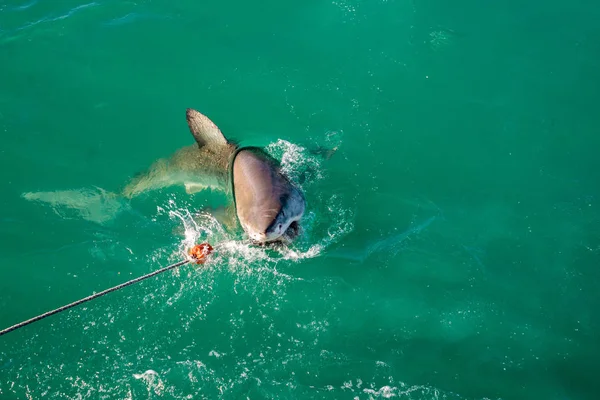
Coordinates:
(204, 130)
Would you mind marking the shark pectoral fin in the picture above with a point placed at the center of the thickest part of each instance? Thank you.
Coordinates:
(225, 215)
(191, 188)
(229, 217)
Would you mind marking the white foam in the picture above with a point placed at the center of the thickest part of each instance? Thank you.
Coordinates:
(152, 381)
(321, 227)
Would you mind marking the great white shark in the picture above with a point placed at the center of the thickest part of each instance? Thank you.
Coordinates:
(263, 199)
(267, 204)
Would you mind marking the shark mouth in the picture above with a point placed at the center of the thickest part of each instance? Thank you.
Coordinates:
(290, 234)
(292, 231)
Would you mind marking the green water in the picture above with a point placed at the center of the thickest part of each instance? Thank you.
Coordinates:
(451, 246)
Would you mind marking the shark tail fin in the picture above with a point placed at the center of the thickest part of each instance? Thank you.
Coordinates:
(204, 130)
(95, 205)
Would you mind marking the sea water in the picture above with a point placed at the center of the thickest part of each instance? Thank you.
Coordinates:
(450, 247)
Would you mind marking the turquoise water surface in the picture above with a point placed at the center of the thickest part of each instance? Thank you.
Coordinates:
(450, 247)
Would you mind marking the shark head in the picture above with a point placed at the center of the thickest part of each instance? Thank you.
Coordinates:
(284, 225)
(268, 205)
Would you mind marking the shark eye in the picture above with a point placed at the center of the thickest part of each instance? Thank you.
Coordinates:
(279, 226)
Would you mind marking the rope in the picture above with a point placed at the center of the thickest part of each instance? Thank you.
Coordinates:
(94, 296)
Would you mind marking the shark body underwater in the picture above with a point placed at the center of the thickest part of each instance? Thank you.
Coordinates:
(267, 204)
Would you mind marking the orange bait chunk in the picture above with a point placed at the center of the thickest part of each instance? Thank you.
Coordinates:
(200, 251)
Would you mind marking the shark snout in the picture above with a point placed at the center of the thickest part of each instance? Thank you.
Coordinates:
(268, 235)
(279, 228)
(276, 233)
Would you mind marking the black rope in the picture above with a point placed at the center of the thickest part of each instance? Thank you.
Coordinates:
(94, 296)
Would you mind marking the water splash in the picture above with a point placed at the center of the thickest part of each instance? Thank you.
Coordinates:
(324, 224)
(152, 381)
(296, 162)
